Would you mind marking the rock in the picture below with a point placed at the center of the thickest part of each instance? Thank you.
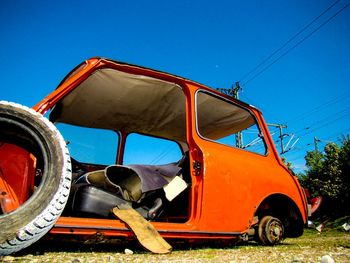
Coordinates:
(8, 259)
(128, 251)
(320, 227)
(310, 224)
(346, 226)
(327, 259)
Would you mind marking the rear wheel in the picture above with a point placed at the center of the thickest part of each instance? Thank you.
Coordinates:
(270, 230)
(35, 176)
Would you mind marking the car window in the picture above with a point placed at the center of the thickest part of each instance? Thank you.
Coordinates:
(142, 149)
(229, 124)
(90, 145)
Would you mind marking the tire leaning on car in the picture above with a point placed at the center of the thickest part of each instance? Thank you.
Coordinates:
(30, 130)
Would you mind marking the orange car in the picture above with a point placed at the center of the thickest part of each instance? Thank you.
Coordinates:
(195, 163)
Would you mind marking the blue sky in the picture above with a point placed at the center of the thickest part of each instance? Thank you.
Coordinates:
(212, 42)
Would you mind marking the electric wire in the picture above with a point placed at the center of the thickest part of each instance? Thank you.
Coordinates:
(321, 106)
(301, 150)
(317, 126)
(344, 132)
(161, 156)
(328, 119)
(287, 42)
(293, 47)
(296, 45)
(326, 124)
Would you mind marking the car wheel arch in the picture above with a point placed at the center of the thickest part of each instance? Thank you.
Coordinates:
(285, 209)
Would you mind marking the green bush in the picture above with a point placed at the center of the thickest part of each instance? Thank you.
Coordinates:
(328, 175)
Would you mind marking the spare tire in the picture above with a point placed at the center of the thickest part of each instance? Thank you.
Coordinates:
(34, 217)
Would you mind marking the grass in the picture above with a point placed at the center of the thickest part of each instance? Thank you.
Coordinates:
(308, 248)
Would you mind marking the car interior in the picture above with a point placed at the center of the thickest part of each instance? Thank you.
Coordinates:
(126, 105)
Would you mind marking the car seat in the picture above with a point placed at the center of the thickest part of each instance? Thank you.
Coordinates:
(138, 186)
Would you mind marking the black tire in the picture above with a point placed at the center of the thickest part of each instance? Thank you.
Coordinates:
(28, 129)
(270, 231)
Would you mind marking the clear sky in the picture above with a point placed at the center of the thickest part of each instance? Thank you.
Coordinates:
(212, 42)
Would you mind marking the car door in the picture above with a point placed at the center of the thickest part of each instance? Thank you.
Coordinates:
(236, 164)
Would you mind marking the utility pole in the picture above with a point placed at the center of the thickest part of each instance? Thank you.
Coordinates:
(316, 143)
(280, 127)
(239, 136)
(234, 93)
(235, 90)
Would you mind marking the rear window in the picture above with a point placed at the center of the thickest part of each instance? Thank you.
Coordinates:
(224, 122)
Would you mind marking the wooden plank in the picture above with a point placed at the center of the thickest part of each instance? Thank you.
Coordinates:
(145, 233)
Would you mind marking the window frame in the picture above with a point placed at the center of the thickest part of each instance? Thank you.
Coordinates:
(261, 131)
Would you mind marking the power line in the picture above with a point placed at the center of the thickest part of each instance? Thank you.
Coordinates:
(297, 44)
(344, 132)
(309, 145)
(322, 122)
(327, 120)
(326, 124)
(299, 151)
(321, 106)
(162, 155)
(287, 42)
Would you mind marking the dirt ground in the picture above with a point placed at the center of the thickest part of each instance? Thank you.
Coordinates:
(311, 247)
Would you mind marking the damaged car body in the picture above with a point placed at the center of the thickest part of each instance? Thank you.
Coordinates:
(195, 163)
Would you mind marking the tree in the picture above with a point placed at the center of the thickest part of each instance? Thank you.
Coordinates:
(311, 180)
(328, 175)
(344, 157)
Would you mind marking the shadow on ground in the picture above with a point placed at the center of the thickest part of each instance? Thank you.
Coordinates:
(98, 244)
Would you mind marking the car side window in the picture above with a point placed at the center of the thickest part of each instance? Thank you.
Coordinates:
(90, 145)
(229, 124)
(143, 149)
